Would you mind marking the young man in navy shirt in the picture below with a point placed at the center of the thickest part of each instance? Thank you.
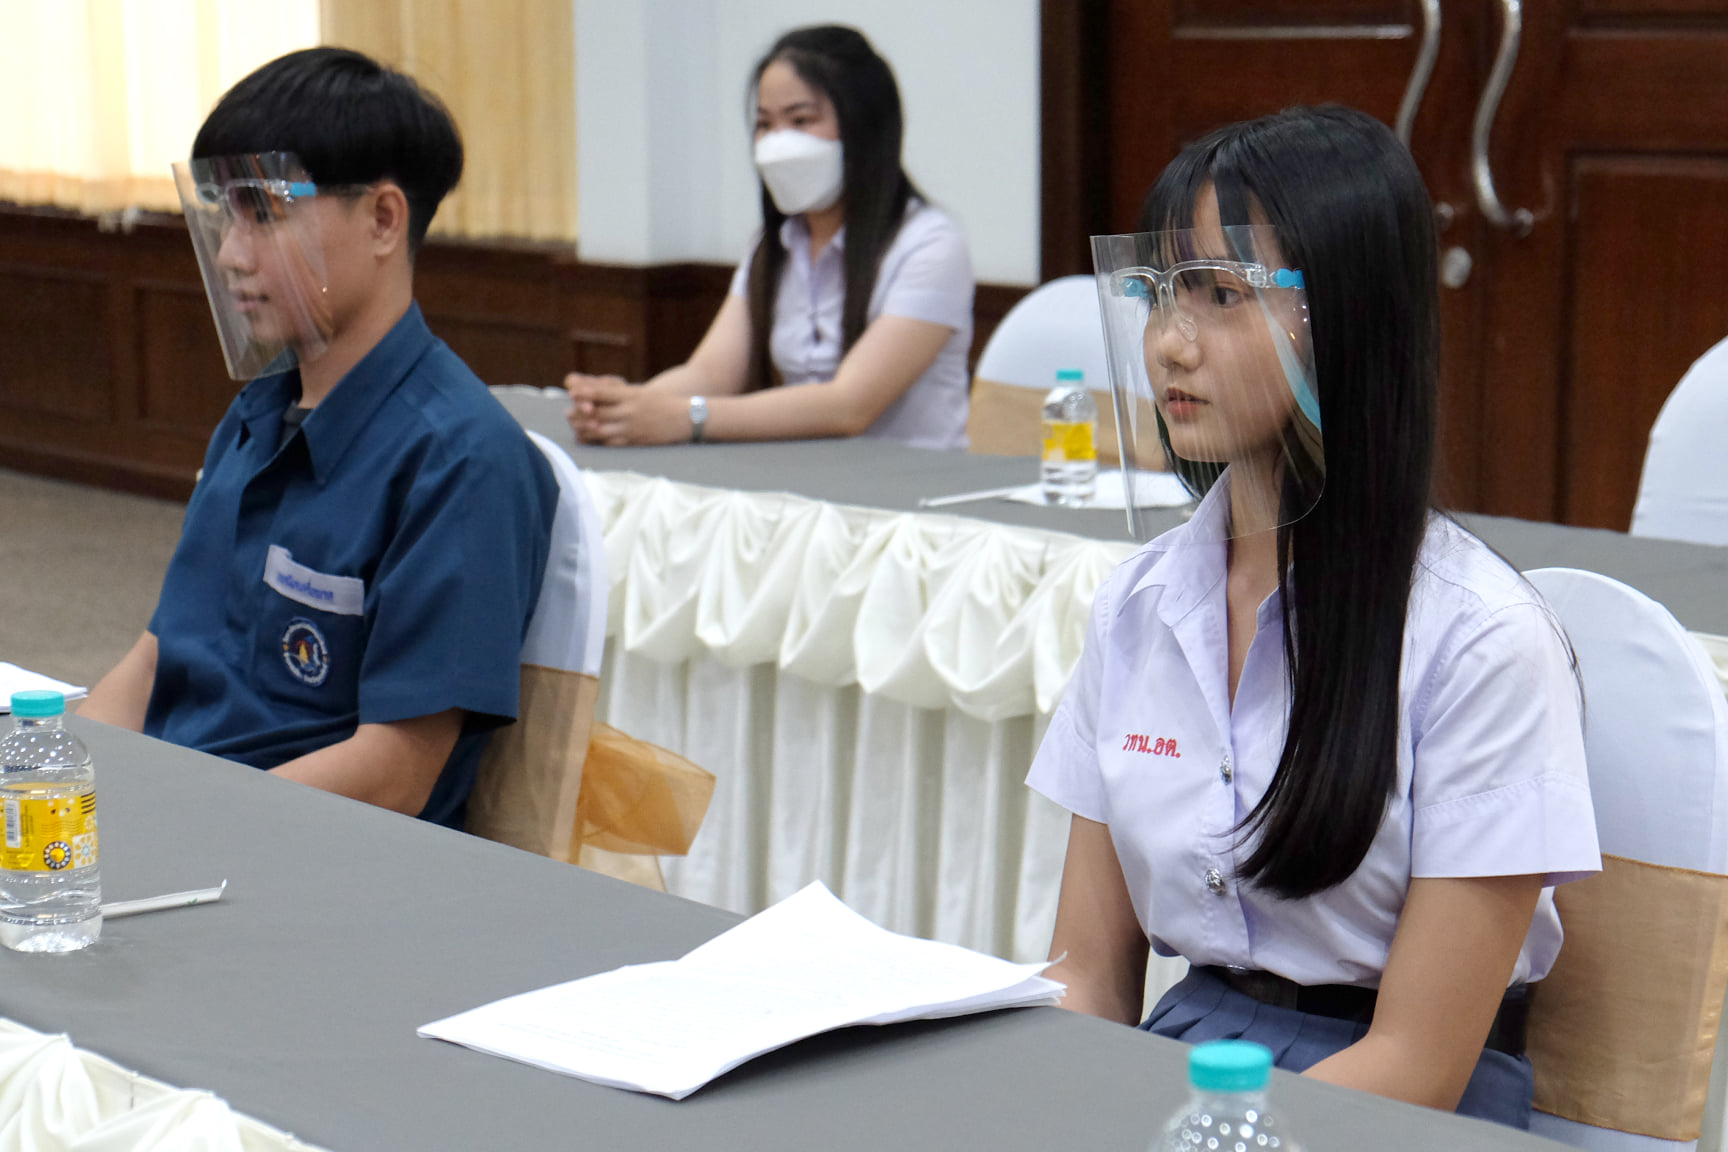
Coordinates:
(362, 553)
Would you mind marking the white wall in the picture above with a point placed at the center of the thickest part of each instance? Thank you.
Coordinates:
(662, 124)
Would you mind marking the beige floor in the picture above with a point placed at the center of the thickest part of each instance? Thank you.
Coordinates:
(80, 569)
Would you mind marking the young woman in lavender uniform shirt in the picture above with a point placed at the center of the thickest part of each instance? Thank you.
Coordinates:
(852, 316)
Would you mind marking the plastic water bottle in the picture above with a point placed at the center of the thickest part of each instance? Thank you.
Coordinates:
(1070, 458)
(1226, 1110)
(50, 883)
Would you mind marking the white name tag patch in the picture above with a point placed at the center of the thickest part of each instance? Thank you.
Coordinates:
(342, 595)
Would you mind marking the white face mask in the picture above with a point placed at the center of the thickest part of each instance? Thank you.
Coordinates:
(804, 173)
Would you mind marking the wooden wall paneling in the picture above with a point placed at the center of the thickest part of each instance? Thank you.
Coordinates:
(1709, 13)
(1141, 107)
(1653, 85)
(607, 321)
(989, 305)
(503, 350)
(182, 381)
(1595, 112)
(1226, 15)
(1440, 142)
(1517, 281)
(1074, 144)
(682, 300)
(1179, 69)
(501, 309)
(1647, 300)
(53, 324)
(110, 372)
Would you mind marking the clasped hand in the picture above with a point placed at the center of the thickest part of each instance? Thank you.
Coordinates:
(608, 410)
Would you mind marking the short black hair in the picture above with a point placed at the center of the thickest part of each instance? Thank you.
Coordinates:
(350, 120)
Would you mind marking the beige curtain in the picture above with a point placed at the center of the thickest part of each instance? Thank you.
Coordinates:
(506, 69)
(99, 97)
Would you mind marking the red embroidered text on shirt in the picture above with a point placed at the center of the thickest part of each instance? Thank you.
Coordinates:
(1137, 742)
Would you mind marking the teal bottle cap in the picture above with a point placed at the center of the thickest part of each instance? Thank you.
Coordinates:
(1230, 1066)
(37, 705)
(1066, 374)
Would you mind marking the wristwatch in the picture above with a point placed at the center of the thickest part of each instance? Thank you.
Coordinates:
(698, 419)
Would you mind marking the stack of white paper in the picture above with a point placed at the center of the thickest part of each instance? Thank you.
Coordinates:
(807, 965)
(16, 679)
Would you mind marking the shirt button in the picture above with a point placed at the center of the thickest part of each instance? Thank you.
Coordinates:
(1215, 881)
(1225, 770)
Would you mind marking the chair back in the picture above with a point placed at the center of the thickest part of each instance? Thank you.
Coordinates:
(1683, 491)
(1054, 327)
(531, 774)
(1623, 1030)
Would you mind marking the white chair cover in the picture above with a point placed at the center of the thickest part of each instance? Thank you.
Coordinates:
(1053, 327)
(1656, 737)
(1683, 493)
(569, 626)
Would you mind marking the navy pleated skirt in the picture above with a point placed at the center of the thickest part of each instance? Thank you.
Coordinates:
(1202, 1007)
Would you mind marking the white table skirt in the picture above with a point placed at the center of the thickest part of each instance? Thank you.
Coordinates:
(53, 1095)
(868, 687)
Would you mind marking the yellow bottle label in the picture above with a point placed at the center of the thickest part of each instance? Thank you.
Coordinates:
(1068, 442)
(47, 833)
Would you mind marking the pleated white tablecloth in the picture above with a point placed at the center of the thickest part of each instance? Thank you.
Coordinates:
(868, 687)
(54, 1096)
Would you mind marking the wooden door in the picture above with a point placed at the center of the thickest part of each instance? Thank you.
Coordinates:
(1178, 68)
(1614, 135)
(1559, 342)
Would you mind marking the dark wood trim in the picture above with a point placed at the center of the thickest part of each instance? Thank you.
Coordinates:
(989, 305)
(136, 411)
(1074, 154)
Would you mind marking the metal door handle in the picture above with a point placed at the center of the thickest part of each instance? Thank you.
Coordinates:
(1519, 222)
(1424, 69)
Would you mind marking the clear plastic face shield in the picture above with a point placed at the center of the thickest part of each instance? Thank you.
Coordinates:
(259, 251)
(1212, 371)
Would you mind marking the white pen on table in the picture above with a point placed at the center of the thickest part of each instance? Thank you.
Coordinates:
(968, 497)
(160, 903)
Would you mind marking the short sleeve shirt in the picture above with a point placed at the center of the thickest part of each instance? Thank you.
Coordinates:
(381, 564)
(1491, 776)
(926, 274)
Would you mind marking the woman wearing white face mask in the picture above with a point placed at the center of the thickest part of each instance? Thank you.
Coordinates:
(856, 291)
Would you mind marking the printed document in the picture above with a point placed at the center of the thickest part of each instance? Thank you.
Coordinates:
(16, 679)
(807, 965)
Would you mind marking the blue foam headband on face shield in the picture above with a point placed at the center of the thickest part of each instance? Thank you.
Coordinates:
(1300, 387)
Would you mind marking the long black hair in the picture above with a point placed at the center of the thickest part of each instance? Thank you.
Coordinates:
(840, 63)
(1352, 213)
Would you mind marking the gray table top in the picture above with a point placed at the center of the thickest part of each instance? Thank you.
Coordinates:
(345, 927)
(1690, 579)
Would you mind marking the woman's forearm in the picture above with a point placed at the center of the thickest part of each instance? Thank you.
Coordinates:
(684, 380)
(799, 412)
(1388, 1067)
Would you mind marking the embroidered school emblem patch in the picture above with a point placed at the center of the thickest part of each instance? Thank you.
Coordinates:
(305, 653)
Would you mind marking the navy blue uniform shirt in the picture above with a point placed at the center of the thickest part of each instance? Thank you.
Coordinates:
(381, 565)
